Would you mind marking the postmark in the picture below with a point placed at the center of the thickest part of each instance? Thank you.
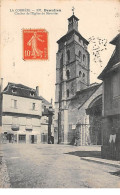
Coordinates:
(35, 44)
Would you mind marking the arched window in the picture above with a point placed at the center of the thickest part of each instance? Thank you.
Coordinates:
(83, 75)
(84, 58)
(80, 73)
(67, 92)
(79, 54)
(68, 74)
(61, 61)
(68, 55)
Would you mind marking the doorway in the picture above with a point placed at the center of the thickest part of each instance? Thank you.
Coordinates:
(22, 138)
(32, 139)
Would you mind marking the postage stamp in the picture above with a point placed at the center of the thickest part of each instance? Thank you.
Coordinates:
(35, 44)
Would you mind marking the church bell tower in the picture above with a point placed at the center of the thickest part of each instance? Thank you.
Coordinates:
(72, 74)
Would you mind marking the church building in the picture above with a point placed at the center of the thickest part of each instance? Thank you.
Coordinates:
(78, 104)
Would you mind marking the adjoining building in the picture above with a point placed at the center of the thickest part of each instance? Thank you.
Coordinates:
(84, 116)
(47, 126)
(111, 104)
(76, 100)
(22, 114)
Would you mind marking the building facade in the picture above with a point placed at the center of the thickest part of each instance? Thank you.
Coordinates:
(73, 90)
(22, 112)
(47, 126)
(84, 114)
(111, 104)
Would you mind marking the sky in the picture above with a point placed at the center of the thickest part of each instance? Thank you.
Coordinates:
(97, 20)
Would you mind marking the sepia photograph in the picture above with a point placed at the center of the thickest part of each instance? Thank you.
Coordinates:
(60, 94)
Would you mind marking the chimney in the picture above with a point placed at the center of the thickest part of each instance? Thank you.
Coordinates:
(1, 85)
(37, 90)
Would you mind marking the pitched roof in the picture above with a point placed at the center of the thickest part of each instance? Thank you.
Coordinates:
(116, 40)
(73, 16)
(45, 101)
(82, 96)
(115, 58)
(18, 85)
(21, 90)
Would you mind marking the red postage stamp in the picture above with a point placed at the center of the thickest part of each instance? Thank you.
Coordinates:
(35, 44)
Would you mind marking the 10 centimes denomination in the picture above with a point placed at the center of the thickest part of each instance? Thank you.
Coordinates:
(35, 44)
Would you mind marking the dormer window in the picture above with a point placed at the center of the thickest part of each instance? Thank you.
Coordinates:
(32, 93)
(14, 90)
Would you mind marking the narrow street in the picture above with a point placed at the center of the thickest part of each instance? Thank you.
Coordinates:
(56, 166)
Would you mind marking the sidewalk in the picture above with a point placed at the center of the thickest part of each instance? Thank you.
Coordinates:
(93, 154)
(102, 161)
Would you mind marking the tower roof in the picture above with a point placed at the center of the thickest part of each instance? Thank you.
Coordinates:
(72, 29)
(64, 38)
(73, 16)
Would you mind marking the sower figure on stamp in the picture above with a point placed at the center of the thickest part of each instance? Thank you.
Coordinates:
(33, 43)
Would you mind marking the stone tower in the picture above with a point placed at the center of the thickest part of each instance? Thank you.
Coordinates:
(72, 74)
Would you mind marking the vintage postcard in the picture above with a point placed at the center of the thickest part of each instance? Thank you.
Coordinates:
(60, 94)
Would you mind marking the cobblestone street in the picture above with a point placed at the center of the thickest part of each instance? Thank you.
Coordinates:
(55, 166)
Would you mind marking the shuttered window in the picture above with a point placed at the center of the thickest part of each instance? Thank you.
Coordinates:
(14, 103)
